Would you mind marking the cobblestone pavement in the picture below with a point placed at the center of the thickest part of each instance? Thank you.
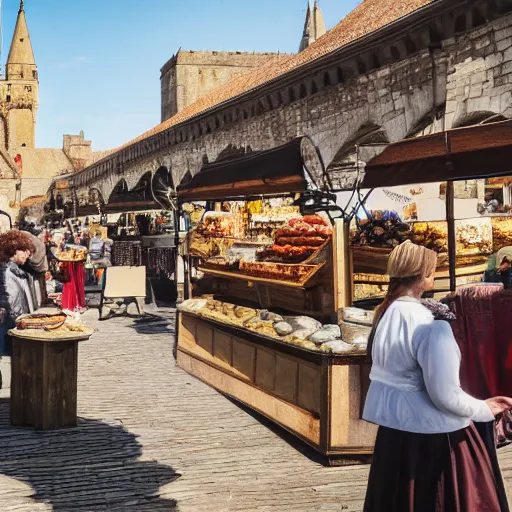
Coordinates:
(152, 438)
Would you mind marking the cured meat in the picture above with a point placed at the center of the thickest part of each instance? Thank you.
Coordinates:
(312, 241)
(315, 219)
(41, 321)
(305, 229)
(323, 230)
(287, 231)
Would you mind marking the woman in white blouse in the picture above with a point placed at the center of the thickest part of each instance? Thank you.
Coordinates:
(428, 455)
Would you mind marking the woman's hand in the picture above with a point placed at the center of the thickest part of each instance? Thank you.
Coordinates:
(499, 404)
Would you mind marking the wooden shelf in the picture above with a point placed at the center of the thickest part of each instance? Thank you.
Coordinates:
(271, 282)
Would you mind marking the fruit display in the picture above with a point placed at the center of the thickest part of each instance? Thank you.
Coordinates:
(474, 236)
(302, 331)
(217, 225)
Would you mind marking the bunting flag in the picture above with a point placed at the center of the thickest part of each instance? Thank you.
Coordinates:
(399, 198)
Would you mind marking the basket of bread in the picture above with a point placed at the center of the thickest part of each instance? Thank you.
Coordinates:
(43, 322)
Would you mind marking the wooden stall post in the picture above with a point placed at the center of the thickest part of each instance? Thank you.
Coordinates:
(342, 265)
(452, 248)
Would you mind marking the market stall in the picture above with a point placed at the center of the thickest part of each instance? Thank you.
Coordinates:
(457, 202)
(266, 279)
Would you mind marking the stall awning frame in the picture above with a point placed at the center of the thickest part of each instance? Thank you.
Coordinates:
(474, 152)
(270, 172)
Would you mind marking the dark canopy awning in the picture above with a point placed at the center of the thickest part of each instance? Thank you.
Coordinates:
(274, 171)
(464, 153)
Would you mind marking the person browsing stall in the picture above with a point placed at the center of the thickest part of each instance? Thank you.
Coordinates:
(428, 454)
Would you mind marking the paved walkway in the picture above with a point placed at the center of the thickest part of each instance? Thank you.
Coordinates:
(151, 438)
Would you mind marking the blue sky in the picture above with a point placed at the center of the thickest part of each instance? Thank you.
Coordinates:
(99, 60)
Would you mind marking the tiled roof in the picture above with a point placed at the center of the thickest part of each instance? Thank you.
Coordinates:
(367, 17)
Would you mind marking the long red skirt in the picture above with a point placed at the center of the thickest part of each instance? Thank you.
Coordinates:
(432, 473)
(73, 292)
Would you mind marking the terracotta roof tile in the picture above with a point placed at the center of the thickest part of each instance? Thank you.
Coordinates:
(367, 17)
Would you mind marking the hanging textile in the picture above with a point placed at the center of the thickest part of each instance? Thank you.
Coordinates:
(73, 292)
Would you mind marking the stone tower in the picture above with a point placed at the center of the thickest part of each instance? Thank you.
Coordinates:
(314, 27)
(19, 91)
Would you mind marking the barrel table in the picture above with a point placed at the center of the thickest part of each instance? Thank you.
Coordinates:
(44, 379)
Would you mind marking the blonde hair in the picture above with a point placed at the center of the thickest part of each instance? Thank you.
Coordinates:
(407, 264)
(411, 260)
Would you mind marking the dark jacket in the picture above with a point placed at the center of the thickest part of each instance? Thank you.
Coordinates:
(493, 276)
(17, 295)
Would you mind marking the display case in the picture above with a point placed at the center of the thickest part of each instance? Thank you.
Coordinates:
(315, 395)
(290, 270)
(373, 240)
(263, 326)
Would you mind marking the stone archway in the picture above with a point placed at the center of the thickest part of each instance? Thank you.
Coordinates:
(343, 170)
(162, 187)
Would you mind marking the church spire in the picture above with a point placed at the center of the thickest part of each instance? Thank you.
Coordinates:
(318, 21)
(314, 26)
(306, 35)
(21, 64)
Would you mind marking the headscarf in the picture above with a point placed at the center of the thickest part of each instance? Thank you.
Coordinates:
(411, 260)
(505, 252)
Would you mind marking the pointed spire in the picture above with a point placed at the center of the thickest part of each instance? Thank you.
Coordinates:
(318, 21)
(306, 35)
(21, 62)
(314, 26)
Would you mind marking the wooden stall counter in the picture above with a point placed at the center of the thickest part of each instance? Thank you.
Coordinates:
(316, 396)
(44, 378)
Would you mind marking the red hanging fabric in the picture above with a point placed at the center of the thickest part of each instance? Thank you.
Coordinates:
(73, 292)
(483, 330)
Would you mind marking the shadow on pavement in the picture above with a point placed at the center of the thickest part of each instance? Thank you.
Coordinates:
(91, 467)
(155, 324)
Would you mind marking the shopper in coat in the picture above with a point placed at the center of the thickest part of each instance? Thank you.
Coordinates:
(16, 286)
(428, 454)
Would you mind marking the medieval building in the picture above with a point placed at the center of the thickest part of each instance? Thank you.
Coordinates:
(27, 171)
(314, 27)
(190, 75)
(389, 70)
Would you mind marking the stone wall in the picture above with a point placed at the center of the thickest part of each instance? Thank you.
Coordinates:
(471, 73)
(189, 75)
(462, 79)
(479, 78)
